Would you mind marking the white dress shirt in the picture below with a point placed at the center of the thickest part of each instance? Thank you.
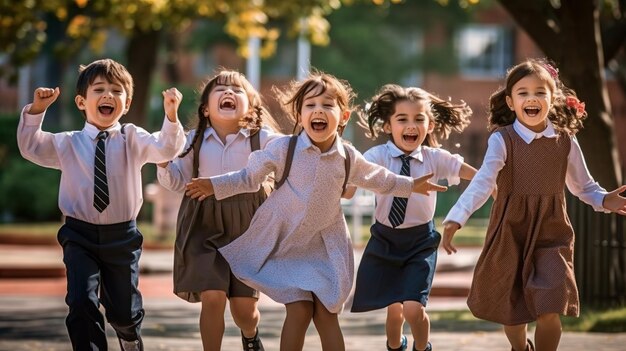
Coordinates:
(73, 153)
(215, 157)
(577, 179)
(420, 208)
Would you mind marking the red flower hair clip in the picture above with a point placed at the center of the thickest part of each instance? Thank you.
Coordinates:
(573, 102)
(554, 72)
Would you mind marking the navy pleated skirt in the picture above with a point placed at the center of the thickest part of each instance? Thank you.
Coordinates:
(397, 265)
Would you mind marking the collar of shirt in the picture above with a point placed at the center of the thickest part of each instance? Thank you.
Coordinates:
(528, 135)
(211, 132)
(394, 151)
(92, 131)
(306, 142)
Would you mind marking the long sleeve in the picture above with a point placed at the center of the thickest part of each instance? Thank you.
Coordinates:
(483, 183)
(249, 179)
(34, 144)
(177, 173)
(580, 182)
(157, 147)
(378, 179)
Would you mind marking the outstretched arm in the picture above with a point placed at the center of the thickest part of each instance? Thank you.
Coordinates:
(422, 186)
(614, 202)
(449, 229)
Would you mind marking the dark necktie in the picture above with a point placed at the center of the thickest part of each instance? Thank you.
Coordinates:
(101, 187)
(398, 207)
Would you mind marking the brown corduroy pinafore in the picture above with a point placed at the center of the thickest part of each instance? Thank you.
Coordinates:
(204, 226)
(526, 265)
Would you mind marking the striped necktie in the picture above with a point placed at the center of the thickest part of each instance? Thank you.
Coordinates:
(398, 207)
(101, 187)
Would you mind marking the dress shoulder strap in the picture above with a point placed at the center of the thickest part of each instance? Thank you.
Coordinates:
(290, 151)
(255, 141)
(347, 167)
(196, 155)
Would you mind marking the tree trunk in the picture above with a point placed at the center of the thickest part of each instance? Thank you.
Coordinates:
(141, 56)
(577, 50)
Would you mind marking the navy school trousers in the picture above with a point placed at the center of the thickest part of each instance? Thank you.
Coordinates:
(102, 265)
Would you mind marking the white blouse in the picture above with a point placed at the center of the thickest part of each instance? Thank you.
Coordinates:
(215, 157)
(420, 208)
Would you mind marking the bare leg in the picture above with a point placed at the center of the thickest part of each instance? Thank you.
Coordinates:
(245, 314)
(416, 316)
(327, 325)
(393, 326)
(517, 336)
(297, 321)
(548, 332)
(212, 319)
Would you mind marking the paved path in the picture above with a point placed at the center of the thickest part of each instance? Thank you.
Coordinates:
(32, 310)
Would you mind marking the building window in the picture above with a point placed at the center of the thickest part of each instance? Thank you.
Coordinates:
(485, 51)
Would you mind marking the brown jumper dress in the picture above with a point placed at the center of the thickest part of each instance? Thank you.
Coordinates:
(526, 265)
(204, 226)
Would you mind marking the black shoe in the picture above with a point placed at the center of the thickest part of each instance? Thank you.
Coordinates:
(429, 347)
(252, 344)
(133, 345)
(403, 344)
(529, 346)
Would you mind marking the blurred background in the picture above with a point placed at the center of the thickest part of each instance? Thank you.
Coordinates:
(453, 48)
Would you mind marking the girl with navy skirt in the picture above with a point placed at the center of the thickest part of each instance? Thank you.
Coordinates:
(398, 264)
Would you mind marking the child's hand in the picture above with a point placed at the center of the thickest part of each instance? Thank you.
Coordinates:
(171, 100)
(422, 186)
(199, 188)
(449, 229)
(42, 99)
(350, 191)
(614, 202)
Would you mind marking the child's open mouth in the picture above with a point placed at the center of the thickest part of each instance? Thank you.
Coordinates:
(409, 138)
(105, 109)
(227, 104)
(532, 111)
(318, 124)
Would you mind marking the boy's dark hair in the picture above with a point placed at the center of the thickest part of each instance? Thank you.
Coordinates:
(566, 114)
(110, 70)
(444, 114)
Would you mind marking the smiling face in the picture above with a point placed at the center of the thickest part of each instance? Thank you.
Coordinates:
(320, 117)
(409, 124)
(226, 106)
(531, 99)
(104, 102)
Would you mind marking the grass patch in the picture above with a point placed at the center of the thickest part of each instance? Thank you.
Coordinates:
(599, 321)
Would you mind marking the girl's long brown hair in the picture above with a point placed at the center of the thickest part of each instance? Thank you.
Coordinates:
(446, 115)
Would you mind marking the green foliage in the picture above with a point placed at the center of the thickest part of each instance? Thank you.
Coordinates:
(361, 50)
(599, 321)
(29, 192)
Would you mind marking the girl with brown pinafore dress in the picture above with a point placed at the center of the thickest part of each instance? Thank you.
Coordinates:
(525, 271)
